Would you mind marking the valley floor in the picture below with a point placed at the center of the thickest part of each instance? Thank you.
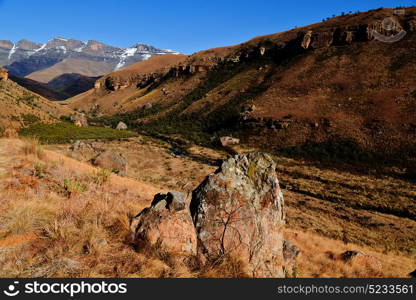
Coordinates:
(62, 217)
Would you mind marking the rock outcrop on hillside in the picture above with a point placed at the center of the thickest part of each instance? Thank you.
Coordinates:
(4, 75)
(121, 126)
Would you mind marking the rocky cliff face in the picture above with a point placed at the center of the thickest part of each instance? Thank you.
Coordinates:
(4, 75)
(300, 41)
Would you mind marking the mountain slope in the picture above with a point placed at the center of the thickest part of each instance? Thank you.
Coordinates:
(39, 88)
(70, 66)
(90, 58)
(19, 107)
(59, 88)
(328, 90)
(72, 84)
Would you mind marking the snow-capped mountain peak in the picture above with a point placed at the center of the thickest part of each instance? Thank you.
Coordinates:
(25, 57)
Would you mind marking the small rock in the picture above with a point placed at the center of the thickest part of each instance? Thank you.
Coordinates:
(148, 106)
(229, 141)
(121, 126)
(361, 258)
(290, 255)
(166, 224)
(112, 161)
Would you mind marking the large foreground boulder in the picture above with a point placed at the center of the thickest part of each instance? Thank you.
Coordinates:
(115, 162)
(166, 225)
(239, 210)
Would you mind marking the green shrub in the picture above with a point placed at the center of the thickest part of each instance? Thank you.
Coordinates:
(331, 150)
(29, 119)
(73, 187)
(65, 132)
(101, 176)
(38, 170)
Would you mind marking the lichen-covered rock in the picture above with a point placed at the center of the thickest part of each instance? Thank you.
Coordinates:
(167, 225)
(112, 161)
(240, 209)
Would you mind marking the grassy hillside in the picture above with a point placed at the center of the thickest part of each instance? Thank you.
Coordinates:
(63, 218)
(350, 100)
(19, 107)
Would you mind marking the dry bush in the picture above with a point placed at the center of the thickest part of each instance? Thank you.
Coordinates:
(101, 176)
(227, 266)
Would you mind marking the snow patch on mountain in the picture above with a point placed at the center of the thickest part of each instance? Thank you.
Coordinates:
(146, 56)
(123, 57)
(41, 48)
(13, 50)
(84, 45)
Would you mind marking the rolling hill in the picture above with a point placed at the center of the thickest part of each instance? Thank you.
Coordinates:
(328, 90)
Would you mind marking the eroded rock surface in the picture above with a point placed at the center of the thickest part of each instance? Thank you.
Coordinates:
(240, 209)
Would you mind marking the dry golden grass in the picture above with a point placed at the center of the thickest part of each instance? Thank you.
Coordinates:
(321, 257)
(45, 233)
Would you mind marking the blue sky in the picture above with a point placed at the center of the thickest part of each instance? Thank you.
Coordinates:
(182, 25)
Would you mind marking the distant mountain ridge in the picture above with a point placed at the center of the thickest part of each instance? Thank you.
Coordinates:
(26, 57)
